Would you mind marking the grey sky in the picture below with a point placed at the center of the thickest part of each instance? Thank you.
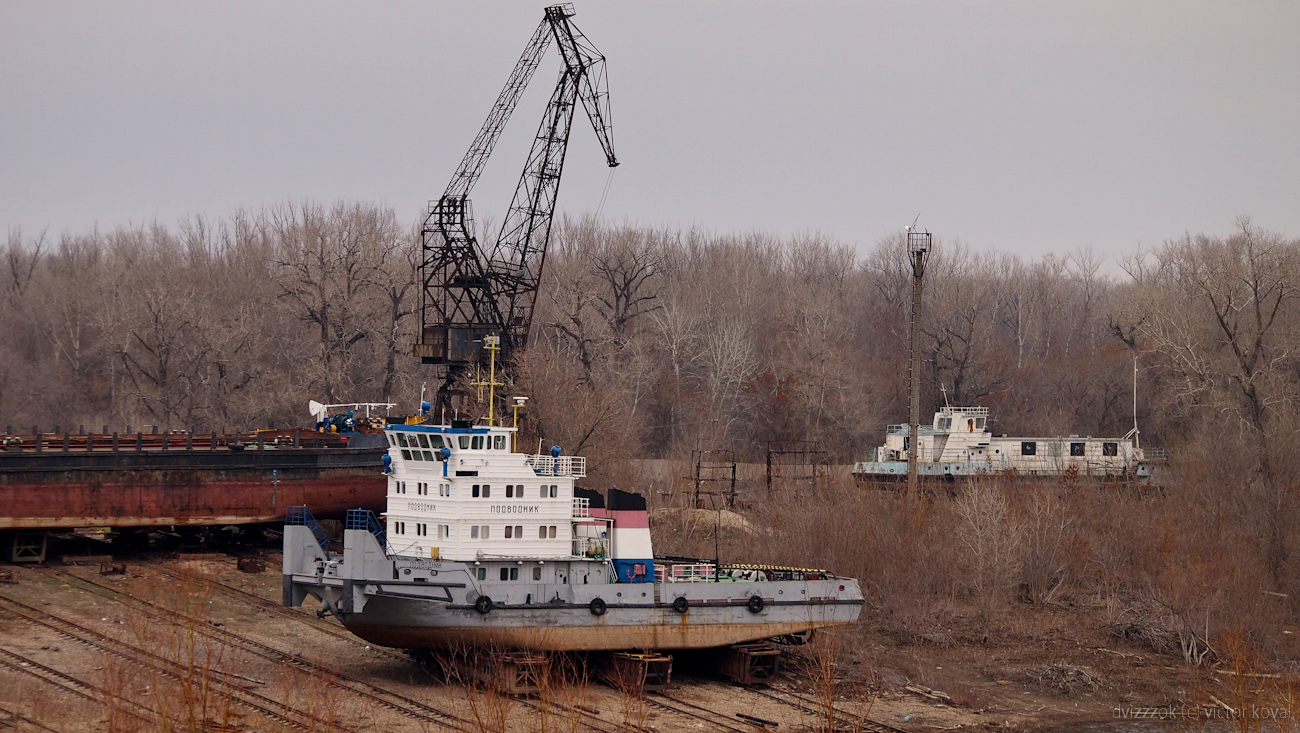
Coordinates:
(1029, 127)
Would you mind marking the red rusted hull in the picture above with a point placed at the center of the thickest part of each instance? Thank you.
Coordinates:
(129, 488)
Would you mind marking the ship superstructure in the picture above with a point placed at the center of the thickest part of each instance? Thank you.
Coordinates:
(958, 443)
(484, 545)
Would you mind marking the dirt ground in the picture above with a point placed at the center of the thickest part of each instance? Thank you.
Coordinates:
(82, 650)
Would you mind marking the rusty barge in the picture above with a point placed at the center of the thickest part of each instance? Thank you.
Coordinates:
(63, 481)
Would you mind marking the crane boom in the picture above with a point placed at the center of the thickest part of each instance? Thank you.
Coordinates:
(469, 293)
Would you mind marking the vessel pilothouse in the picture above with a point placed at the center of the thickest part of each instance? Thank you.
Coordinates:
(462, 493)
(481, 544)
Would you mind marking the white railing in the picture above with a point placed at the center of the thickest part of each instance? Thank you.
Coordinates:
(690, 573)
(596, 548)
(581, 508)
(544, 465)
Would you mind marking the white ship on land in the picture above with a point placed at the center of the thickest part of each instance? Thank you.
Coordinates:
(959, 444)
(485, 546)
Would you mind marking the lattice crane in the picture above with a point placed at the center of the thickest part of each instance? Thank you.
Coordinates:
(470, 292)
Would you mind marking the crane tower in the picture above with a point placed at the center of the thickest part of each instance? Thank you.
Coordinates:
(471, 291)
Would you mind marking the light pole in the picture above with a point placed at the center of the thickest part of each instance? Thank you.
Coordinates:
(918, 250)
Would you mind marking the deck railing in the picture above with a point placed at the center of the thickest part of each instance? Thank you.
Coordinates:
(545, 465)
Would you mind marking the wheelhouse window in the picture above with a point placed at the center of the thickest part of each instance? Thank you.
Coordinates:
(435, 441)
(406, 454)
(499, 442)
(979, 423)
(401, 440)
(1028, 448)
(464, 442)
(477, 443)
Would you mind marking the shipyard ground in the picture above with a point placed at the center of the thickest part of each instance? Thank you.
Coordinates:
(82, 650)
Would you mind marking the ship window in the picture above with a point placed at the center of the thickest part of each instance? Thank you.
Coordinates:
(391, 440)
(444, 489)
(473, 532)
(945, 423)
(499, 442)
(424, 440)
(474, 491)
(514, 573)
(505, 573)
(1053, 449)
(406, 455)
(435, 441)
(510, 490)
(552, 531)
(519, 531)
(487, 491)
(464, 442)
(555, 491)
(1029, 448)
(1110, 449)
(428, 455)
(416, 455)
(444, 531)
(482, 573)
(478, 442)
(541, 533)
(422, 530)
(1076, 449)
(399, 527)
(979, 423)
(537, 573)
(508, 531)
(401, 440)
(484, 533)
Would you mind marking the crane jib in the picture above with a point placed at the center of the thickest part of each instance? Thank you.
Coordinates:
(470, 292)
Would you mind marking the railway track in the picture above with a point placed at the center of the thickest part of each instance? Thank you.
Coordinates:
(14, 720)
(254, 701)
(402, 704)
(681, 707)
(270, 606)
(72, 685)
(812, 706)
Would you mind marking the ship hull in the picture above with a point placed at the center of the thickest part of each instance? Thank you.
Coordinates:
(179, 487)
(575, 629)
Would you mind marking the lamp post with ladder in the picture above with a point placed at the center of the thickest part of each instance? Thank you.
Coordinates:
(918, 251)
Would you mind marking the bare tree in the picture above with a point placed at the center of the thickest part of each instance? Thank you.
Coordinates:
(1222, 313)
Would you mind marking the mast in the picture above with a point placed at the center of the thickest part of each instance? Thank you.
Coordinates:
(918, 250)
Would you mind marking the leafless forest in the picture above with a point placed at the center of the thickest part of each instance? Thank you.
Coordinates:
(649, 343)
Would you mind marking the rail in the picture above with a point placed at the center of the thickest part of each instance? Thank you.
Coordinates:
(366, 519)
(300, 516)
(178, 440)
(545, 465)
(596, 548)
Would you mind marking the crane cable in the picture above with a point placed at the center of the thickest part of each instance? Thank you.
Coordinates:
(609, 181)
